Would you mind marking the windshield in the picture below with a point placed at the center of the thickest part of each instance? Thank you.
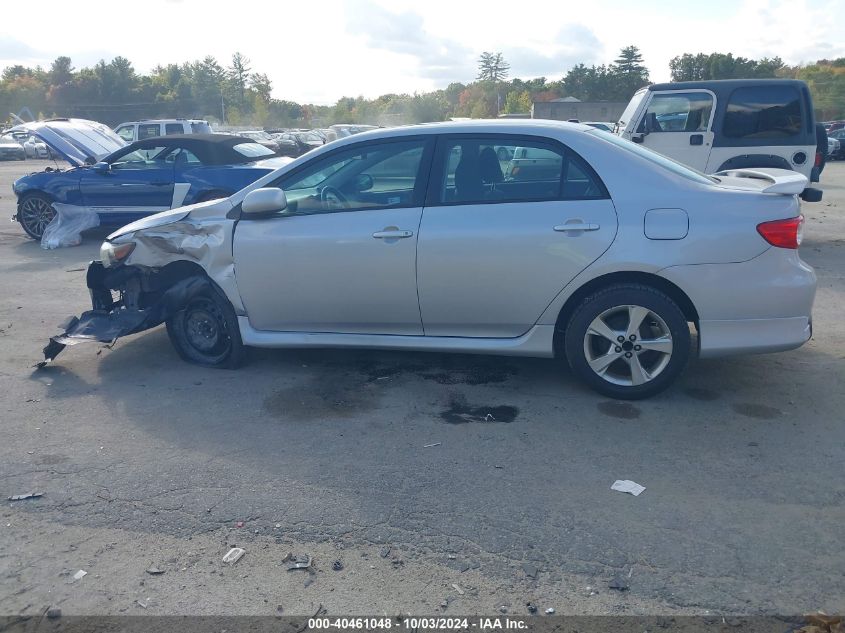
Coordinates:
(630, 110)
(654, 157)
(253, 150)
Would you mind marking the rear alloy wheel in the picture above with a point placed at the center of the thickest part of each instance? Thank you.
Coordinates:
(35, 212)
(628, 341)
(206, 332)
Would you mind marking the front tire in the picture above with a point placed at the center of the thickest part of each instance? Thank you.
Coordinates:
(205, 332)
(35, 212)
(628, 341)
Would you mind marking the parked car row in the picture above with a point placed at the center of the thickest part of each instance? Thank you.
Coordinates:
(21, 145)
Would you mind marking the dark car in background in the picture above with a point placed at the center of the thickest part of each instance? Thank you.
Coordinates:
(261, 137)
(122, 183)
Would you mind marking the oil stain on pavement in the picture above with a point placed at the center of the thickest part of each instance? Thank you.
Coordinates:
(459, 412)
(621, 410)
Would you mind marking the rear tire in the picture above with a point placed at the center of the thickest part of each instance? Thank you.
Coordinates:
(628, 341)
(205, 332)
(35, 212)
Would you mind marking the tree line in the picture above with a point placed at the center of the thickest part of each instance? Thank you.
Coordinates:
(235, 94)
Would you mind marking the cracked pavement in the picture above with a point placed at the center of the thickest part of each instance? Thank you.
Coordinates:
(145, 460)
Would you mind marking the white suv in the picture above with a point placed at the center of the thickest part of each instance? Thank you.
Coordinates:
(721, 125)
(139, 130)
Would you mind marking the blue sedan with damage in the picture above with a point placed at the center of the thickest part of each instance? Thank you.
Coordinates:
(122, 183)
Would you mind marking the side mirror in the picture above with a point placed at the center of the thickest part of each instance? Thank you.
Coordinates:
(263, 202)
(101, 167)
(363, 182)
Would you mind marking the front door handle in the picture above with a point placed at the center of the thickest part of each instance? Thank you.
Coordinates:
(580, 226)
(392, 234)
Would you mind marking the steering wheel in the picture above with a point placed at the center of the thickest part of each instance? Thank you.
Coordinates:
(331, 199)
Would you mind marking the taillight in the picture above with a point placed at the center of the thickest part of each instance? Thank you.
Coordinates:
(783, 233)
(818, 159)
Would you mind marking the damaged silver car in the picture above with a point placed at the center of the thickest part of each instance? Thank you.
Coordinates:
(581, 245)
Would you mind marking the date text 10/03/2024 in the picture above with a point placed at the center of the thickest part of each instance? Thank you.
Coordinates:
(419, 623)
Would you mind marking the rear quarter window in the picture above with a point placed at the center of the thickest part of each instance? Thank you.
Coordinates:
(762, 112)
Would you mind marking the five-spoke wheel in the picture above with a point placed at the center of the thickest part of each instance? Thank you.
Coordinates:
(628, 341)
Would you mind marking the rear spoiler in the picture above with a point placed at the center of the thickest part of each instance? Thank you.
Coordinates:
(772, 180)
(779, 180)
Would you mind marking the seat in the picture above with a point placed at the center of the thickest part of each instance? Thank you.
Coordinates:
(490, 169)
(468, 183)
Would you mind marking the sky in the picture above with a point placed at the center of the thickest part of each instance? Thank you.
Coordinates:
(319, 51)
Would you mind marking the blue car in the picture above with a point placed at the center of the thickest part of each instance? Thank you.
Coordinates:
(123, 183)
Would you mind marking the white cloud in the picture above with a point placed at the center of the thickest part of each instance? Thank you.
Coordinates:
(320, 52)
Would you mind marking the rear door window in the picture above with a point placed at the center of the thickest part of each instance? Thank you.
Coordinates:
(763, 112)
(173, 128)
(491, 169)
(148, 130)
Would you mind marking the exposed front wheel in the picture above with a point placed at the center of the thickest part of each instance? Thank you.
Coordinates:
(628, 341)
(35, 212)
(206, 331)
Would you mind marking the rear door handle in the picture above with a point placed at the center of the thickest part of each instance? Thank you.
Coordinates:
(392, 234)
(577, 227)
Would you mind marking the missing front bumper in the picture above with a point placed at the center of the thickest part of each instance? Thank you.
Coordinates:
(141, 306)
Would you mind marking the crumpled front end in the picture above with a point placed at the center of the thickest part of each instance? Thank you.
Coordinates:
(157, 271)
(143, 302)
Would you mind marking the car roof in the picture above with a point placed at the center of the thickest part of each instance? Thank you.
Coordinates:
(211, 149)
(725, 84)
(474, 126)
(164, 121)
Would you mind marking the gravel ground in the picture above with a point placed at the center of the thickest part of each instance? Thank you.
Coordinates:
(147, 461)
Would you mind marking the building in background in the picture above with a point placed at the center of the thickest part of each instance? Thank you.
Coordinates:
(571, 108)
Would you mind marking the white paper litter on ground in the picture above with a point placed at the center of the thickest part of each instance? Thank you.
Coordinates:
(233, 555)
(80, 574)
(626, 485)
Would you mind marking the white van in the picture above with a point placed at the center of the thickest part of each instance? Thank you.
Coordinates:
(714, 126)
(139, 130)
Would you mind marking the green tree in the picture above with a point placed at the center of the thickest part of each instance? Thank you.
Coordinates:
(239, 76)
(703, 66)
(518, 102)
(61, 71)
(492, 67)
(628, 75)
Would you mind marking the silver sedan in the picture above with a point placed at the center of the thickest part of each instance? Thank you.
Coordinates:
(571, 243)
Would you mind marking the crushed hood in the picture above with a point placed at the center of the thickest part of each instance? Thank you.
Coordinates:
(168, 217)
(764, 180)
(78, 141)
